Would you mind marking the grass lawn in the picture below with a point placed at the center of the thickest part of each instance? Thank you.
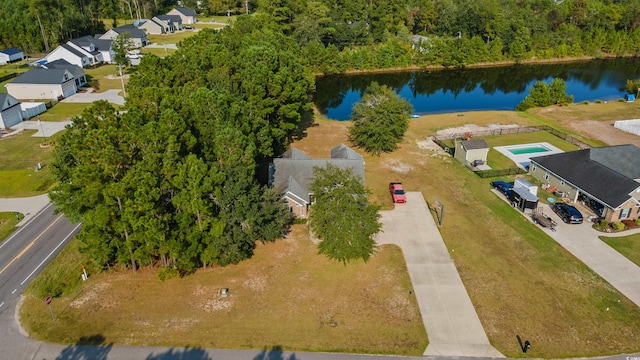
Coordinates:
(63, 111)
(108, 23)
(173, 38)
(629, 246)
(20, 155)
(519, 280)
(286, 295)
(215, 26)
(218, 19)
(106, 77)
(8, 223)
(160, 52)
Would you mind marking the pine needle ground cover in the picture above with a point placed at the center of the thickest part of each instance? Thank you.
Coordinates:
(520, 281)
(286, 295)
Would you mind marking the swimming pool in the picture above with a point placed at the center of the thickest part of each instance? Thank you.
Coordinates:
(528, 150)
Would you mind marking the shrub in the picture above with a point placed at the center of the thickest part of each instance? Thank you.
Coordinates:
(637, 221)
(598, 101)
(617, 225)
(585, 102)
(168, 272)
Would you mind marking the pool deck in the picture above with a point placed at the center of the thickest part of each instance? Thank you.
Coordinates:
(523, 160)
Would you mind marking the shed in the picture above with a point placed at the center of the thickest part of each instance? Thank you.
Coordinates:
(471, 152)
(524, 200)
(630, 97)
(10, 55)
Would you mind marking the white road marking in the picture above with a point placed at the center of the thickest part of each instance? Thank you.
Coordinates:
(14, 291)
(6, 241)
(2, 304)
(51, 253)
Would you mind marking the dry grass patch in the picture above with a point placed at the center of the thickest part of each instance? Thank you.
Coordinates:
(521, 282)
(286, 295)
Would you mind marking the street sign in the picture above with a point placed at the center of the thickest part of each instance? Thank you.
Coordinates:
(48, 301)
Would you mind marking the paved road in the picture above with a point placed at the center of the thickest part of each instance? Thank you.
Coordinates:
(582, 241)
(452, 323)
(45, 129)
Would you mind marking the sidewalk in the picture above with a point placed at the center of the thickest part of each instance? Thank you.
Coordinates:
(451, 321)
(28, 206)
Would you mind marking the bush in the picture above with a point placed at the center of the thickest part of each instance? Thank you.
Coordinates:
(617, 225)
(168, 272)
(598, 101)
(585, 102)
(637, 221)
(603, 223)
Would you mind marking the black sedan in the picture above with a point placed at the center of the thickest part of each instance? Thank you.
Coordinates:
(567, 213)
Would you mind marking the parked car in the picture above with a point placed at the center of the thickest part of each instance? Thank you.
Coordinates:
(504, 187)
(397, 193)
(567, 213)
(188, 27)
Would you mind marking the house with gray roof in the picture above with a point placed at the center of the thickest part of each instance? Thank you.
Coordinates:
(154, 26)
(292, 173)
(174, 21)
(10, 111)
(100, 49)
(187, 15)
(41, 83)
(605, 178)
(77, 72)
(138, 36)
(10, 55)
(72, 55)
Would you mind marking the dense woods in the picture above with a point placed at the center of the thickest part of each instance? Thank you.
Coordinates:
(172, 181)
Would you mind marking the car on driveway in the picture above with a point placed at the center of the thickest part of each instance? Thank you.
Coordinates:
(504, 187)
(397, 193)
(567, 213)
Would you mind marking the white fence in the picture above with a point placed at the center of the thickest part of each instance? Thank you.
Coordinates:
(31, 109)
(630, 126)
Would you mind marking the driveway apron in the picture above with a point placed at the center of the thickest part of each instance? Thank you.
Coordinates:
(449, 317)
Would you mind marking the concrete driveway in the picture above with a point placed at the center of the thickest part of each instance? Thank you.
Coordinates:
(89, 97)
(49, 127)
(582, 241)
(452, 323)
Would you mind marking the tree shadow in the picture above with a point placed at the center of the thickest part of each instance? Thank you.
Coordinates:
(305, 123)
(181, 354)
(86, 348)
(276, 353)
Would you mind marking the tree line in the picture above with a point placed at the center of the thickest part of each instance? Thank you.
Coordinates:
(172, 181)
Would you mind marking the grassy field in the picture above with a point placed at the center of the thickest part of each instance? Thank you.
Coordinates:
(20, 154)
(106, 77)
(8, 223)
(223, 19)
(629, 246)
(286, 295)
(520, 281)
(63, 111)
(158, 51)
(173, 38)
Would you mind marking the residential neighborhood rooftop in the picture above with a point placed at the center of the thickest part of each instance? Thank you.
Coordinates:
(42, 76)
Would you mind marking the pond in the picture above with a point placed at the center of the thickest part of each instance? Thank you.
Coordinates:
(497, 88)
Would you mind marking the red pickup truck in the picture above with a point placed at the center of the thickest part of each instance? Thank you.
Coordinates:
(397, 193)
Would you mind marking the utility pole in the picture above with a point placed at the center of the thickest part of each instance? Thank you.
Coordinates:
(124, 92)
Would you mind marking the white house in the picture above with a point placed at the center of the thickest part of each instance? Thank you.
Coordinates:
(41, 83)
(10, 111)
(99, 49)
(10, 55)
(71, 54)
(138, 36)
(187, 15)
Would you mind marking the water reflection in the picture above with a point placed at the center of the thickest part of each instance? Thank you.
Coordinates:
(499, 88)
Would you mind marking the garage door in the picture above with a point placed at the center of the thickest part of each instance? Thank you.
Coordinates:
(69, 89)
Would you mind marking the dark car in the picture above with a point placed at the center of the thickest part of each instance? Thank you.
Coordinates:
(504, 187)
(567, 213)
(188, 27)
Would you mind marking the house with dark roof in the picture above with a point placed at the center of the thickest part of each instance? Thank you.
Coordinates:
(77, 72)
(471, 152)
(10, 111)
(154, 27)
(605, 178)
(174, 21)
(41, 83)
(99, 49)
(138, 36)
(10, 55)
(187, 15)
(72, 55)
(292, 173)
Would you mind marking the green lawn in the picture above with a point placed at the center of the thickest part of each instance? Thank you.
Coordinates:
(63, 111)
(629, 246)
(223, 19)
(158, 51)
(173, 38)
(106, 77)
(20, 155)
(8, 223)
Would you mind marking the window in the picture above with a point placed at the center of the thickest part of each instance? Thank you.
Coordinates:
(533, 169)
(624, 213)
(546, 175)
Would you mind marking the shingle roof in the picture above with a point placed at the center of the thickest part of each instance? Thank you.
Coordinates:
(134, 31)
(186, 11)
(73, 50)
(475, 144)
(42, 76)
(173, 18)
(87, 40)
(606, 173)
(75, 70)
(298, 166)
(11, 51)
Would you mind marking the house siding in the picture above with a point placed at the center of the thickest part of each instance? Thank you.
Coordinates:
(41, 91)
(62, 53)
(152, 28)
(630, 207)
(185, 19)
